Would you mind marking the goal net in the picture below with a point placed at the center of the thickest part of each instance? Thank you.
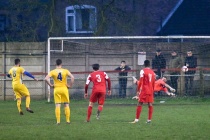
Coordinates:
(79, 53)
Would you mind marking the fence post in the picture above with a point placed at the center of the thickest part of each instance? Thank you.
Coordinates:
(182, 81)
(201, 83)
(2, 66)
(4, 70)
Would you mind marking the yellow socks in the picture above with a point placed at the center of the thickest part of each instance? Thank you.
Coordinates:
(19, 105)
(28, 100)
(67, 113)
(57, 114)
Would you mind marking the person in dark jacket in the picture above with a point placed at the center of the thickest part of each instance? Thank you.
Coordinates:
(159, 63)
(191, 64)
(123, 72)
(175, 65)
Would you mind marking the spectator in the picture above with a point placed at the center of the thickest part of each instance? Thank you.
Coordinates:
(191, 64)
(159, 63)
(175, 65)
(123, 72)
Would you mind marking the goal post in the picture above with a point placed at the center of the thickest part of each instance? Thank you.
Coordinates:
(79, 53)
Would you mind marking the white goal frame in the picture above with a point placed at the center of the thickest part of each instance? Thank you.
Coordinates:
(107, 38)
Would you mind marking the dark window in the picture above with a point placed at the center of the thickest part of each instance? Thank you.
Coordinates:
(80, 19)
(2, 22)
(70, 23)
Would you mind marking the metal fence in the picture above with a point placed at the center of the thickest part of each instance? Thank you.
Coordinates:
(38, 89)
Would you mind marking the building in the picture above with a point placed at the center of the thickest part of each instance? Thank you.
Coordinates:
(37, 20)
(188, 17)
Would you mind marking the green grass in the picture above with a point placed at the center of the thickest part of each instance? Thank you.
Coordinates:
(177, 118)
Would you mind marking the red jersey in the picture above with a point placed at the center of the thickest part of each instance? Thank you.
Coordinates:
(160, 85)
(99, 79)
(147, 81)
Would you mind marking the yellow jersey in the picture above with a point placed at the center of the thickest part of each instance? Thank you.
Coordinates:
(16, 74)
(59, 76)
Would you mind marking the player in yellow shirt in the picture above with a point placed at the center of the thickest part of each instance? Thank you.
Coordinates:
(19, 88)
(61, 93)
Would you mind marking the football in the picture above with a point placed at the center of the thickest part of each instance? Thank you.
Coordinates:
(184, 68)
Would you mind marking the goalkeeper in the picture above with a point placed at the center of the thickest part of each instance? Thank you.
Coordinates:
(160, 85)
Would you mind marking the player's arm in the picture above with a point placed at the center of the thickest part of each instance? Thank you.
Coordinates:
(29, 75)
(139, 87)
(72, 80)
(86, 86)
(135, 81)
(167, 92)
(47, 80)
(109, 86)
(171, 89)
(9, 75)
(109, 83)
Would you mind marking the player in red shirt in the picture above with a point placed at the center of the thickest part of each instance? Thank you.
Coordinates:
(145, 91)
(99, 79)
(160, 85)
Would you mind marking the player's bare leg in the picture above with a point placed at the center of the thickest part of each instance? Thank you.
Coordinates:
(28, 100)
(100, 108)
(138, 112)
(19, 106)
(150, 112)
(89, 111)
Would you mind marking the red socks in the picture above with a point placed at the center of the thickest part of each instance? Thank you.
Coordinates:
(138, 111)
(100, 108)
(150, 112)
(89, 112)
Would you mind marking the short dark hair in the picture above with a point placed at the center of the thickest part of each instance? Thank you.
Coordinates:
(17, 61)
(58, 62)
(95, 66)
(146, 63)
(158, 50)
(123, 61)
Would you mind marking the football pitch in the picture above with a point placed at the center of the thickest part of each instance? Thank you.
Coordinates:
(177, 118)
